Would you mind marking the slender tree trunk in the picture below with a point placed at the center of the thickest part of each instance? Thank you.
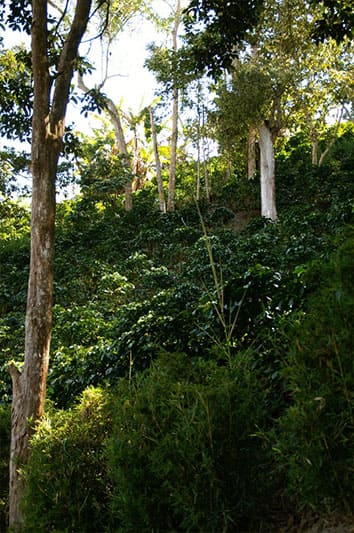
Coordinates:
(199, 135)
(174, 135)
(314, 156)
(268, 205)
(251, 153)
(173, 156)
(29, 387)
(160, 189)
(120, 139)
(333, 138)
(206, 153)
(122, 147)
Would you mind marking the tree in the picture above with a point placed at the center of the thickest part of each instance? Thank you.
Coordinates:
(51, 94)
(250, 102)
(322, 87)
(224, 26)
(118, 16)
(115, 116)
(162, 200)
(216, 47)
(336, 20)
(175, 99)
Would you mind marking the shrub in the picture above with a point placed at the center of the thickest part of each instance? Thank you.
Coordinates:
(66, 482)
(316, 432)
(184, 455)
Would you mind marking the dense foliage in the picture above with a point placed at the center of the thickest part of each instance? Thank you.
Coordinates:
(221, 345)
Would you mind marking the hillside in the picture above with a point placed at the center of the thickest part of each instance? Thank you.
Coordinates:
(201, 374)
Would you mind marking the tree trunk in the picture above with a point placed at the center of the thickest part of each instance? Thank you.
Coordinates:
(268, 205)
(161, 192)
(333, 138)
(122, 147)
(251, 153)
(120, 139)
(173, 155)
(29, 387)
(314, 156)
(174, 135)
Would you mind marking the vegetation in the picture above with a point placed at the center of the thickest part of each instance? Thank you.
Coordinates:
(196, 300)
(223, 357)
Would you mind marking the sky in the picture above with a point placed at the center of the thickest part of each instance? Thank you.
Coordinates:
(130, 85)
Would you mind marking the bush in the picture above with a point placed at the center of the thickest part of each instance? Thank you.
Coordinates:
(316, 432)
(184, 455)
(66, 481)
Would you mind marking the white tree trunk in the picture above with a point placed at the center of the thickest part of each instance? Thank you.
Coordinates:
(251, 153)
(122, 147)
(161, 192)
(120, 139)
(174, 135)
(266, 145)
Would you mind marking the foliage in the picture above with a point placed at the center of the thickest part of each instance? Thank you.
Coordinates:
(66, 480)
(14, 165)
(254, 320)
(224, 25)
(337, 21)
(16, 93)
(183, 454)
(315, 433)
(14, 261)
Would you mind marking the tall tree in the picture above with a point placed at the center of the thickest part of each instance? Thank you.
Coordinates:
(216, 28)
(115, 116)
(113, 23)
(174, 118)
(165, 62)
(162, 200)
(51, 94)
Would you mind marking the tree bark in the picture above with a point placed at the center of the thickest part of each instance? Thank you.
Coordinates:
(251, 153)
(160, 189)
(174, 134)
(29, 387)
(266, 145)
(173, 156)
(113, 112)
(122, 147)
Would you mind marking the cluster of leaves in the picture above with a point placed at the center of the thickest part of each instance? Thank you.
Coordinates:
(16, 93)
(67, 475)
(225, 25)
(315, 433)
(183, 453)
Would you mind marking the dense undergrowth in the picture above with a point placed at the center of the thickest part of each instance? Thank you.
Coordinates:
(201, 377)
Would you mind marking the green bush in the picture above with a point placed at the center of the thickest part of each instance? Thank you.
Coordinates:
(316, 432)
(66, 481)
(5, 429)
(184, 455)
